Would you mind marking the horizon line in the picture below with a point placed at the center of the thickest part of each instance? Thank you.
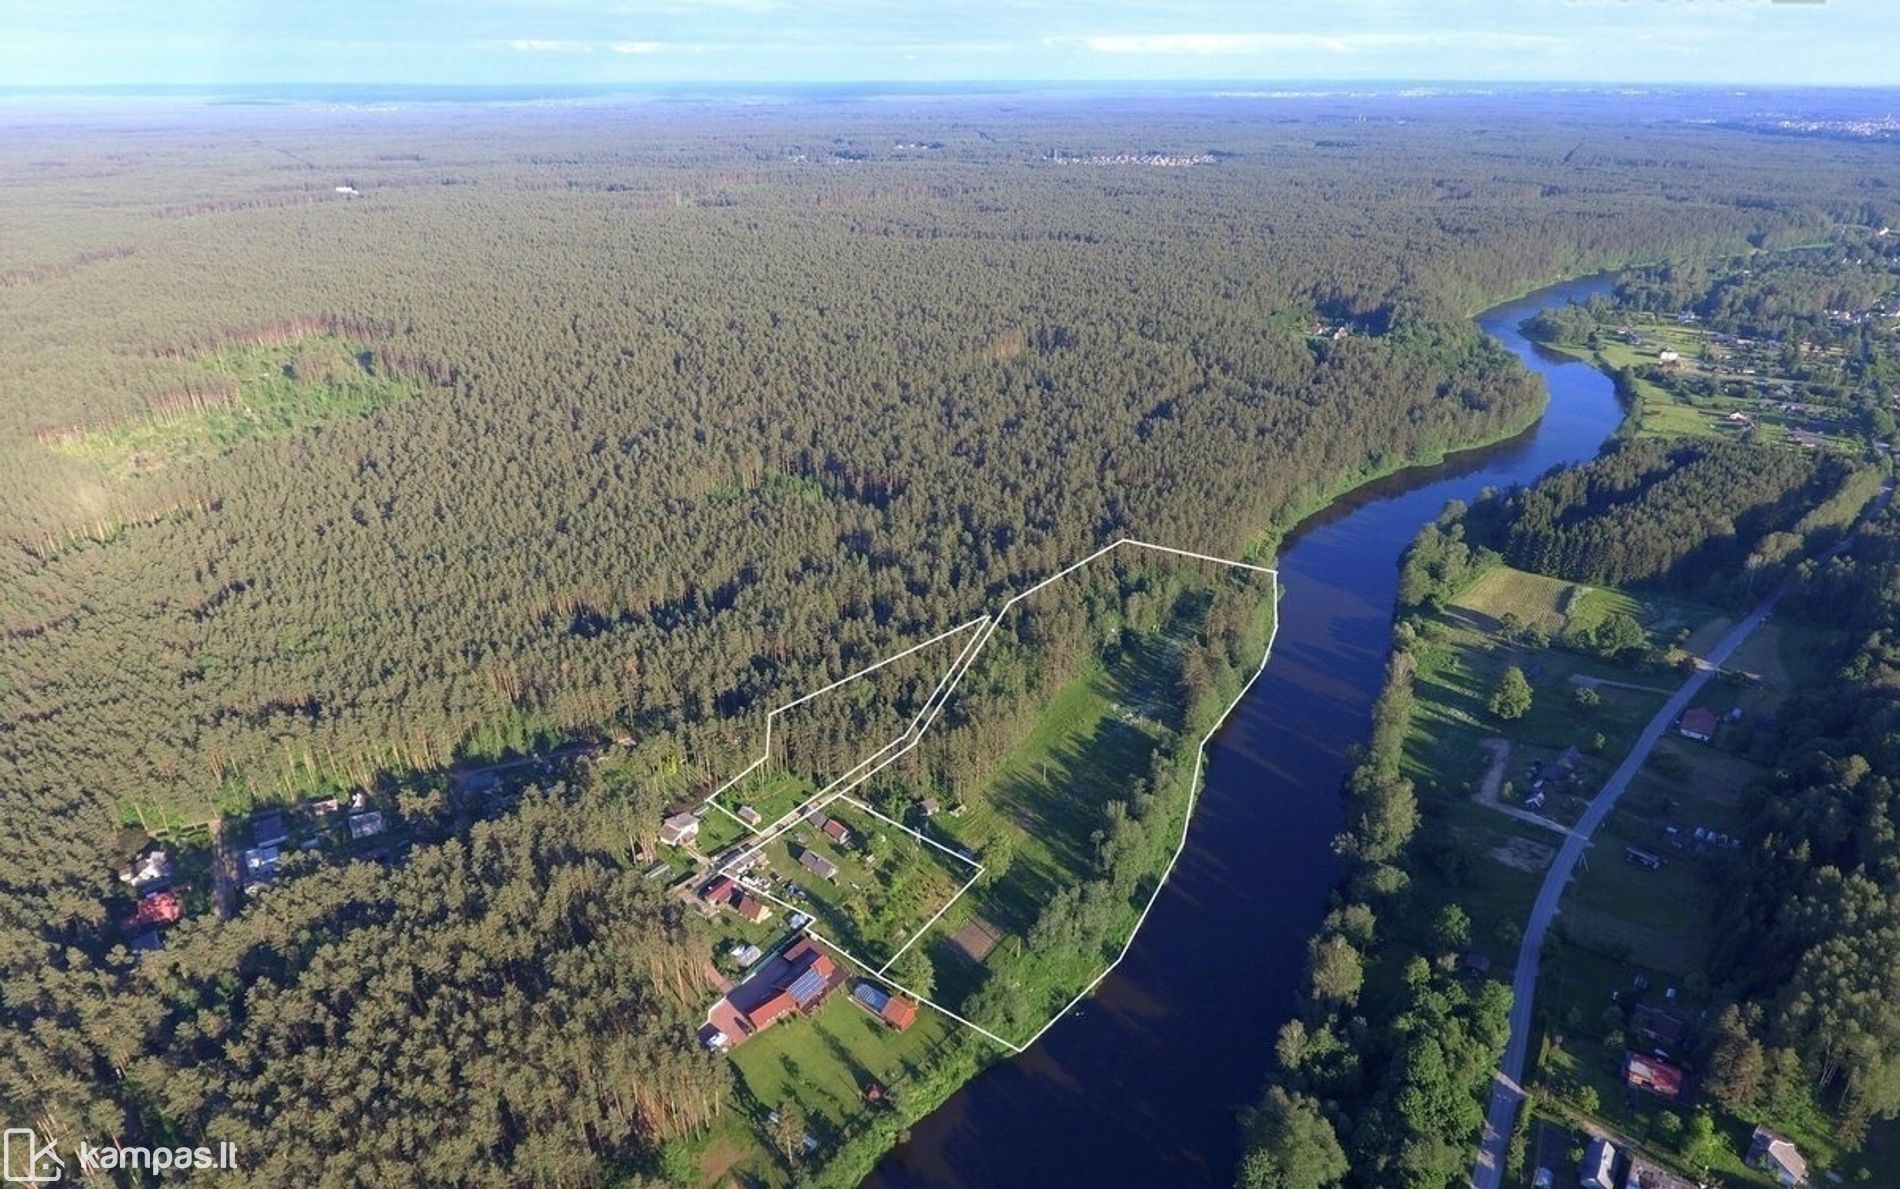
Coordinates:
(1345, 84)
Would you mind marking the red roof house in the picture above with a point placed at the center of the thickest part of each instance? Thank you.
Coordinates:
(778, 1003)
(159, 908)
(1699, 723)
(752, 910)
(837, 831)
(717, 892)
(900, 1013)
(1648, 1073)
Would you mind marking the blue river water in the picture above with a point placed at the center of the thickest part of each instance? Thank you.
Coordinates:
(1141, 1085)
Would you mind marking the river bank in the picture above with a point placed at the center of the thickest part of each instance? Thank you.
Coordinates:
(1141, 1085)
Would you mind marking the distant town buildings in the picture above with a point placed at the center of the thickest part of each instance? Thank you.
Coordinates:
(1156, 160)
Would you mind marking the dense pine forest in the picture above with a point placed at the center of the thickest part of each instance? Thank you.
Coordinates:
(1809, 943)
(339, 448)
(1720, 520)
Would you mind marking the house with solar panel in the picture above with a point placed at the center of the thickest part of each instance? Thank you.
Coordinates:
(797, 981)
(895, 1010)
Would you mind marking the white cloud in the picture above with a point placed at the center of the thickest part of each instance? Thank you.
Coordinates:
(538, 45)
(1207, 44)
(635, 47)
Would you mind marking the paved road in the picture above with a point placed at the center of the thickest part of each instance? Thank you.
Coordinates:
(1505, 1092)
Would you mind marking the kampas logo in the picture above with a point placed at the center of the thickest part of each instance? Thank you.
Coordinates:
(31, 1161)
(28, 1161)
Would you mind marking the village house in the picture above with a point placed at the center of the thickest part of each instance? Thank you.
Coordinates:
(155, 909)
(366, 825)
(798, 980)
(837, 831)
(1652, 1075)
(756, 911)
(260, 866)
(1776, 1154)
(895, 1010)
(931, 806)
(149, 873)
(719, 891)
(679, 830)
(1698, 723)
(749, 815)
(1660, 1028)
(817, 864)
(1599, 1165)
(722, 892)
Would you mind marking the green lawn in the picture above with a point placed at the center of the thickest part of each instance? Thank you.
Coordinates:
(889, 883)
(773, 793)
(1046, 800)
(824, 1063)
(1456, 674)
(1536, 600)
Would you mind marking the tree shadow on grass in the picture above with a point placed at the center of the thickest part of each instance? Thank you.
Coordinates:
(1063, 809)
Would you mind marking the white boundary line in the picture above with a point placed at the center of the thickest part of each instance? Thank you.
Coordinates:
(967, 884)
(934, 705)
(848, 956)
(766, 754)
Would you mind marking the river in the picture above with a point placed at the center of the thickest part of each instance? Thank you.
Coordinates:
(1139, 1087)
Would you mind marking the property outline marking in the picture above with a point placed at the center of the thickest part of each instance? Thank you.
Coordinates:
(986, 626)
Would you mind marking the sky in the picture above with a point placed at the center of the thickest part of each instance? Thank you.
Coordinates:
(492, 42)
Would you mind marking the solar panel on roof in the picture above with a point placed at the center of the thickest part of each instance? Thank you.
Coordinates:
(870, 996)
(806, 986)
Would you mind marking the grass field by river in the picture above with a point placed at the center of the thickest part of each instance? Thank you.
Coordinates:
(1133, 709)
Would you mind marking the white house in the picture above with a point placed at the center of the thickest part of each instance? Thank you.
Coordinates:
(679, 829)
(1777, 1154)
